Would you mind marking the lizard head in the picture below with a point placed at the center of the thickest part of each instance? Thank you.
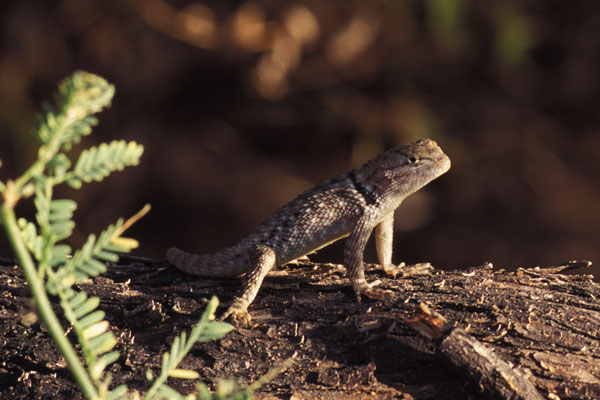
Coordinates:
(407, 168)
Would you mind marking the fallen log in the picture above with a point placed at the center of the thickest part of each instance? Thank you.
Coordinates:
(543, 322)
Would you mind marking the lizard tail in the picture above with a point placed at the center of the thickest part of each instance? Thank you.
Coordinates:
(221, 264)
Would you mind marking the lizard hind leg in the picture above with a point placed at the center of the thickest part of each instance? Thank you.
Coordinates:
(353, 259)
(262, 259)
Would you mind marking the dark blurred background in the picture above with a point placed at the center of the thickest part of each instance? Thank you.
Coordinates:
(242, 105)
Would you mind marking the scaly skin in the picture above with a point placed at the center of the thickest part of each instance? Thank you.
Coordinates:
(351, 204)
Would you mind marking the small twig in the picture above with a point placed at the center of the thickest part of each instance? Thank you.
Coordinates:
(133, 219)
(564, 267)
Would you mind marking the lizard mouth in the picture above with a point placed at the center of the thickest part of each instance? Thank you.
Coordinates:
(444, 162)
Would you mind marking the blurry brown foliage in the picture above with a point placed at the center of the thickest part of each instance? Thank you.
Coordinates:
(242, 105)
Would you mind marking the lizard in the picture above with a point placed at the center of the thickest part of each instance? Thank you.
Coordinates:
(351, 204)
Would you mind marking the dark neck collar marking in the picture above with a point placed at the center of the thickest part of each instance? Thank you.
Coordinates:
(369, 196)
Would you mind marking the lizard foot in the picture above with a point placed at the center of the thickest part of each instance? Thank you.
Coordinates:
(238, 313)
(393, 270)
(369, 290)
(416, 269)
(402, 270)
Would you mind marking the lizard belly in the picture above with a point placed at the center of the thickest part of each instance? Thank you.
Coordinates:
(311, 241)
(313, 250)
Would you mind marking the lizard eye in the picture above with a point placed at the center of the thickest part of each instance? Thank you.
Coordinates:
(411, 160)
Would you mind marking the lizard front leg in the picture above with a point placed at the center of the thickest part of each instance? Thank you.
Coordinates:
(262, 259)
(384, 235)
(353, 259)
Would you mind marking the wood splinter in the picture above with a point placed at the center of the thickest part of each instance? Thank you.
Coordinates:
(496, 377)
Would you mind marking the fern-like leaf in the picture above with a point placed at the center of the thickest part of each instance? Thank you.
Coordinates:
(88, 262)
(64, 124)
(79, 96)
(96, 163)
(92, 331)
(204, 330)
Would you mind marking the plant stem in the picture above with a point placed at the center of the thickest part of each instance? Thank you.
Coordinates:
(43, 303)
(45, 154)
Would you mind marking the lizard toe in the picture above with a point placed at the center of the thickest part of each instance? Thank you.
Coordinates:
(416, 269)
(402, 270)
(377, 294)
